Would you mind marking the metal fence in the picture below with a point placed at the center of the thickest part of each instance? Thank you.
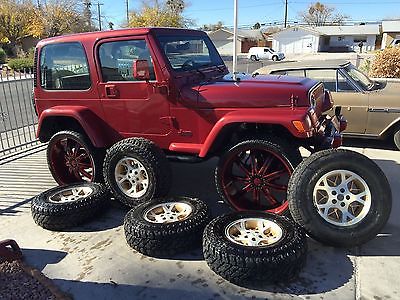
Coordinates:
(18, 120)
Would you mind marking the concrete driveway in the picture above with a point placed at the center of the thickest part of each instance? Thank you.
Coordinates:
(94, 261)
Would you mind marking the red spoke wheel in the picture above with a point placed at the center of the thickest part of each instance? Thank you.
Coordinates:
(254, 175)
(71, 158)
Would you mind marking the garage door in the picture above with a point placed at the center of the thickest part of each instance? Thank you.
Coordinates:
(302, 45)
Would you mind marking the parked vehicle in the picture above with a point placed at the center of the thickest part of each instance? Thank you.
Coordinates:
(257, 53)
(395, 42)
(370, 106)
(157, 93)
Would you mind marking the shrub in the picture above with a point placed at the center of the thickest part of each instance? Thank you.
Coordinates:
(386, 63)
(3, 56)
(20, 64)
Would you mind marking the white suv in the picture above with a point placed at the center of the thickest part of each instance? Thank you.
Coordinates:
(257, 53)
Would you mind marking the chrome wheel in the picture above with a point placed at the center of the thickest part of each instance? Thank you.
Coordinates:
(168, 212)
(131, 177)
(253, 232)
(342, 198)
(70, 194)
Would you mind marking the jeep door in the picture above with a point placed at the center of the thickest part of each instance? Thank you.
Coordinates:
(131, 107)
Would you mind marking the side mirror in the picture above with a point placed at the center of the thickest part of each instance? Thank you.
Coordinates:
(141, 70)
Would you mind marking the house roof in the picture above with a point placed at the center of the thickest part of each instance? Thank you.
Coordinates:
(368, 29)
(252, 34)
(391, 26)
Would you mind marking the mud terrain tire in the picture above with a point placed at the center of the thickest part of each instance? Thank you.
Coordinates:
(341, 198)
(68, 206)
(164, 237)
(279, 260)
(143, 168)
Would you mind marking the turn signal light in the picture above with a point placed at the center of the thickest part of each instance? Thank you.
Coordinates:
(299, 126)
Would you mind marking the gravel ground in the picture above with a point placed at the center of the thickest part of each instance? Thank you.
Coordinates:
(16, 284)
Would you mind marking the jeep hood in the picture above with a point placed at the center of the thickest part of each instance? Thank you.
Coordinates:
(253, 92)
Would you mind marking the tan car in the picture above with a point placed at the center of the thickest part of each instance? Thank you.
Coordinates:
(372, 108)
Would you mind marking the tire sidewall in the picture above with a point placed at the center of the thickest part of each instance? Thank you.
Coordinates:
(322, 228)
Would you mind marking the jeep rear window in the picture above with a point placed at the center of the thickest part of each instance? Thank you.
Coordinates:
(186, 53)
(64, 66)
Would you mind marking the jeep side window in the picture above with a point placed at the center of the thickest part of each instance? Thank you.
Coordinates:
(64, 66)
(116, 59)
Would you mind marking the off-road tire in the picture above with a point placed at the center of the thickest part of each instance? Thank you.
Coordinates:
(166, 239)
(151, 157)
(305, 213)
(287, 151)
(243, 265)
(97, 155)
(59, 216)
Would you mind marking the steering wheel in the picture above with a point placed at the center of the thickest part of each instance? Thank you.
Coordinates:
(189, 63)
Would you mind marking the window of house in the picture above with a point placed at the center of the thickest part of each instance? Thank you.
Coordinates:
(360, 39)
(64, 66)
(117, 58)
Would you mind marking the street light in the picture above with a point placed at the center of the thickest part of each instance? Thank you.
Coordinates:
(235, 34)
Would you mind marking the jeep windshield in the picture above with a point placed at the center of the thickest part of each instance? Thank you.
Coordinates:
(187, 53)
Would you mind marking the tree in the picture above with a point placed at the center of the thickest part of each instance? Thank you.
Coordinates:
(319, 14)
(257, 26)
(59, 17)
(212, 27)
(156, 14)
(87, 12)
(15, 21)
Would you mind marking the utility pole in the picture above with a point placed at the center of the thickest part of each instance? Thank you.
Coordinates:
(127, 12)
(99, 13)
(286, 7)
(235, 34)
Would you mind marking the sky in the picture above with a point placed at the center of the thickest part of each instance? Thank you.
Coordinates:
(262, 11)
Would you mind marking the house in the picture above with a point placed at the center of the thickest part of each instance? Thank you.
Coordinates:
(307, 39)
(390, 31)
(247, 38)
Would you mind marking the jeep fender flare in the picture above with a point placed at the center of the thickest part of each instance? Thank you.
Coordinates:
(273, 116)
(92, 124)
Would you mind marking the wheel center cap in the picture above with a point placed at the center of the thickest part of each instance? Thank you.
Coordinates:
(340, 197)
(257, 181)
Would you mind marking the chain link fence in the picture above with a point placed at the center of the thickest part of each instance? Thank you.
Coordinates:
(18, 120)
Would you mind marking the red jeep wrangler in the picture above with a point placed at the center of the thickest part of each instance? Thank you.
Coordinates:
(166, 93)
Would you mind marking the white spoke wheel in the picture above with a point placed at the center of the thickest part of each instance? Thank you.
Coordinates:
(71, 194)
(68, 206)
(165, 227)
(168, 212)
(254, 232)
(254, 247)
(131, 177)
(136, 170)
(340, 197)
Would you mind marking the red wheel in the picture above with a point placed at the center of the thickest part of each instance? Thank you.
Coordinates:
(70, 158)
(254, 175)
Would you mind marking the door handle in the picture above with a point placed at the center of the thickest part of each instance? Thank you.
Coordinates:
(111, 91)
